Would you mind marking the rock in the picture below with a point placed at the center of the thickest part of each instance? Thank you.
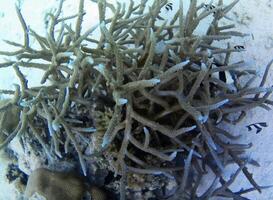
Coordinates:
(97, 193)
(9, 119)
(55, 185)
(49, 185)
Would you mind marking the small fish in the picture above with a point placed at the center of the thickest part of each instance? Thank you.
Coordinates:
(258, 126)
(224, 76)
(209, 6)
(169, 6)
(239, 47)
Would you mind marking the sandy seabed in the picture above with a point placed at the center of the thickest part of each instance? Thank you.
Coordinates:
(250, 16)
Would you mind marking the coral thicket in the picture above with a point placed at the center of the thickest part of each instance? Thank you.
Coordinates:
(144, 101)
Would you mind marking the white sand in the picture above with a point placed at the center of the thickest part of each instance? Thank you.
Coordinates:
(250, 16)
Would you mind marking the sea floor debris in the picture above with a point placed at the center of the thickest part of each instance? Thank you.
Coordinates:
(139, 109)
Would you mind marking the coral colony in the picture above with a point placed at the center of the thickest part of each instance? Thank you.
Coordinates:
(145, 99)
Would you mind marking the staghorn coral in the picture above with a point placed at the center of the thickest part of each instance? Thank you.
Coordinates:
(160, 79)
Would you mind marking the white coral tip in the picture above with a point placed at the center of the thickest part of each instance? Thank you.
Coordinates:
(100, 68)
(155, 81)
(122, 101)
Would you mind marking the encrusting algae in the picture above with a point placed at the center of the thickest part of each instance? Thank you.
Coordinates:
(145, 100)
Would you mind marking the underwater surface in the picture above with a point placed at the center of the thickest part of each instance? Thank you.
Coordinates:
(17, 161)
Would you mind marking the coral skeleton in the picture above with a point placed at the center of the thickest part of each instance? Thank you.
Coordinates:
(147, 97)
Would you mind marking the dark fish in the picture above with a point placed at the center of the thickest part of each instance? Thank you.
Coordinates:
(239, 47)
(258, 126)
(169, 6)
(209, 6)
